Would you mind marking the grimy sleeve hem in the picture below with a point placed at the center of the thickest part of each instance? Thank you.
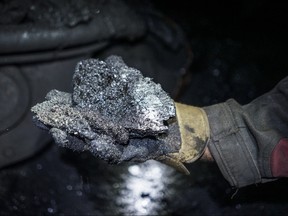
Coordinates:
(232, 145)
(249, 143)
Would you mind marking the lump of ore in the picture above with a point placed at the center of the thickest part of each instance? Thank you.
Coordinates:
(122, 95)
(113, 112)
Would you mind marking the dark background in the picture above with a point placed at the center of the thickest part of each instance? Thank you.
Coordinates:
(234, 43)
(239, 51)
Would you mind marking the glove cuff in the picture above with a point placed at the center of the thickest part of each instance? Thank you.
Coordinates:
(194, 130)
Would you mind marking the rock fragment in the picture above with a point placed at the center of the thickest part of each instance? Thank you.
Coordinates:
(113, 112)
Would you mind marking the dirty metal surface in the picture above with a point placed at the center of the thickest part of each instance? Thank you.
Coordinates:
(62, 24)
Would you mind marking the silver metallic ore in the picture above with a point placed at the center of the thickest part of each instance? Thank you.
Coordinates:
(114, 112)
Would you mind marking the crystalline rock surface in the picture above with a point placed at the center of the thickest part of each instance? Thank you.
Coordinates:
(114, 112)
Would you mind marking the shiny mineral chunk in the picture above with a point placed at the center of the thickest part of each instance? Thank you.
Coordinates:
(113, 112)
(122, 95)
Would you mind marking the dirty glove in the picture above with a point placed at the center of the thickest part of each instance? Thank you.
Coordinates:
(184, 142)
(194, 132)
(119, 115)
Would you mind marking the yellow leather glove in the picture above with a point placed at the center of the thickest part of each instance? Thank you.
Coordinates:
(194, 131)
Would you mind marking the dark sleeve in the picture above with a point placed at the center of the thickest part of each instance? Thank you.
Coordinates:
(250, 143)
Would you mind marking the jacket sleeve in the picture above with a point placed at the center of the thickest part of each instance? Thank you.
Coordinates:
(250, 143)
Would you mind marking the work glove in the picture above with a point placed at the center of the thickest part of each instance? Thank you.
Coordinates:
(184, 142)
(119, 115)
(194, 133)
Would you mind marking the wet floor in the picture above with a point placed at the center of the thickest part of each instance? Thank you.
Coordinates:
(62, 182)
(242, 62)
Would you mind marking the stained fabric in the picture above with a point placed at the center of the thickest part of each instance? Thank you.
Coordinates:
(245, 138)
(279, 159)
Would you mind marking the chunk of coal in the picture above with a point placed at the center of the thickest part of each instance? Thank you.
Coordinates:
(114, 112)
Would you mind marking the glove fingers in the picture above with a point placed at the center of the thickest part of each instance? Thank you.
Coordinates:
(174, 163)
(64, 139)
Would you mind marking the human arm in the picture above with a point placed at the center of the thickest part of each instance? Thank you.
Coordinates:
(249, 143)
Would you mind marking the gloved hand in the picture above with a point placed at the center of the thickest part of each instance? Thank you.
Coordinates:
(184, 142)
(124, 117)
(194, 132)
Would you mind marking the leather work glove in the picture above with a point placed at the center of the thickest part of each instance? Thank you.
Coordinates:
(124, 117)
(184, 142)
(194, 132)
(131, 120)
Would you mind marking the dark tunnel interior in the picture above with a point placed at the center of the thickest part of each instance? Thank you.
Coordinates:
(201, 52)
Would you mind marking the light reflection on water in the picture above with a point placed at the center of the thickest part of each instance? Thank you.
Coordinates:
(145, 187)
